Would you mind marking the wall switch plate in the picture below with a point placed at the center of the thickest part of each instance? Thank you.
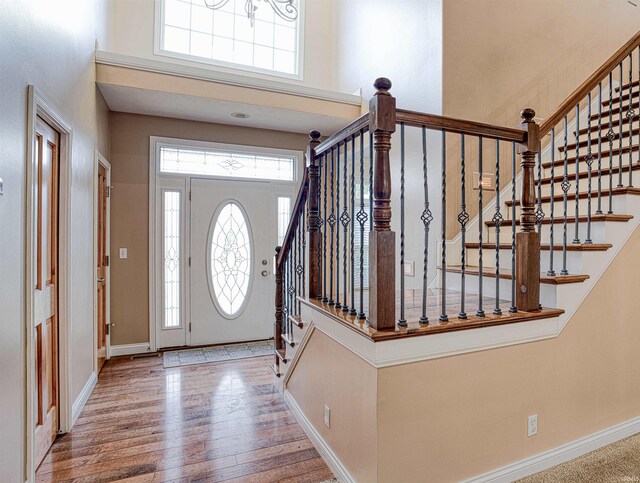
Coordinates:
(532, 425)
(123, 253)
(1, 186)
(410, 269)
(327, 416)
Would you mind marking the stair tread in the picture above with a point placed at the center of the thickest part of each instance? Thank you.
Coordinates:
(594, 173)
(583, 247)
(594, 152)
(276, 370)
(616, 109)
(572, 219)
(605, 141)
(288, 338)
(605, 124)
(625, 190)
(506, 274)
(626, 86)
(282, 354)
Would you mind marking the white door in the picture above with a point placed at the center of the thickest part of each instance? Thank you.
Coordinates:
(232, 240)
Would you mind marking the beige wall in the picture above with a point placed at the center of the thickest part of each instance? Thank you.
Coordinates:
(130, 135)
(330, 374)
(500, 56)
(50, 45)
(454, 418)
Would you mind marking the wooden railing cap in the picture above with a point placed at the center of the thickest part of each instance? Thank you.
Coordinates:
(314, 135)
(382, 85)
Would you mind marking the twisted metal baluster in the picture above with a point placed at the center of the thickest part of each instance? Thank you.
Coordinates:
(539, 213)
(610, 137)
(630, 115)
(324, 228)
(426, 218)
(337, 304)
(402, 322)
(589, 160)
(463, 218)
(299, 268)
(370, 181)
(304, 256)
(362, 219)
(352, 310)
(576, 238)
(321, 230)
(620, 130)
(551, 272)
(295, 275)
(345, 219)
(332, 223)
(513, 308)
(480, 311)
(599, 209)
(443, 289)
(565, 190)
(498, 219)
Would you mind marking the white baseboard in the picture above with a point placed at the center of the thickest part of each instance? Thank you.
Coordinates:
(82, 399)
(329, 457)
(561, 454)
(128, 349)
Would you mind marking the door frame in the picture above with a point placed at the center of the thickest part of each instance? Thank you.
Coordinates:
(39, 106)
(181, 182)
(99, 159)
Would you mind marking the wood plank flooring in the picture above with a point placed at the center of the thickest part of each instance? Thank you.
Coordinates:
(222, 421)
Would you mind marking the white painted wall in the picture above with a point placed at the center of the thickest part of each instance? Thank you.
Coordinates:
(401, 40)
(48, 44)
(132, 31)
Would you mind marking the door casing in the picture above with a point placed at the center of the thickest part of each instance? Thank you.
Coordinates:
(40, 106)
(101, 160)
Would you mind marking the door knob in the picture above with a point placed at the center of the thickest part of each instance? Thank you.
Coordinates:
(265, 273)
(100, 280)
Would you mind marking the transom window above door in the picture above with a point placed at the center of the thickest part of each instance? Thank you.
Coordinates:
(226, 35)
(227, 163)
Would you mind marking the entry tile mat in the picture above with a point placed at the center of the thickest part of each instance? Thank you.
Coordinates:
(218, 353)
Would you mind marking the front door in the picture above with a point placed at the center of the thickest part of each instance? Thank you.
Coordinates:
(45, 291)
(232, 238)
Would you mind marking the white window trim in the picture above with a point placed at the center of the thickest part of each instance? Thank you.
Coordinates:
(230, 66)
(160, 143)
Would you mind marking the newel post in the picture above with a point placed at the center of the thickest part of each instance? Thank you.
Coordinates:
(528, 240)
(382, 241)
(277, 327)
(313, 214)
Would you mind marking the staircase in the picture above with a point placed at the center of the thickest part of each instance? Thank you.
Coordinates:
(535, 254)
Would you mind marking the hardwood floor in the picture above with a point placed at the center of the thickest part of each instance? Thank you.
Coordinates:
(222, 421)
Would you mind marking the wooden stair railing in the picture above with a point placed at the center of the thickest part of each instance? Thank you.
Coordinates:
(345, 200)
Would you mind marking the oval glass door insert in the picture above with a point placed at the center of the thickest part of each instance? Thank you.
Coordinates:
(230, 260)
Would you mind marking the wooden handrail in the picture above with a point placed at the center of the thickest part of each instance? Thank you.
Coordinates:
(293, 224)
(344, 134)
(591, 83)
(462, 126)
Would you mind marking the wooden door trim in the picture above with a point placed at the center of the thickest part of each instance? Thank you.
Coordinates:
(40, 106)
(99, 159)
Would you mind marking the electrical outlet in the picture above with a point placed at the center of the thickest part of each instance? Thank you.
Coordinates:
(123, 253)
(327, 416)
(532, 425)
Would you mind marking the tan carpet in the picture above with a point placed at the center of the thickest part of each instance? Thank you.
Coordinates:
(617, 462)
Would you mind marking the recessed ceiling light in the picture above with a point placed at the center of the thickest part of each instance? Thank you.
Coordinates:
(240, 115)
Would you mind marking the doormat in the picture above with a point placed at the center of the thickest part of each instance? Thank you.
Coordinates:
(218, 353)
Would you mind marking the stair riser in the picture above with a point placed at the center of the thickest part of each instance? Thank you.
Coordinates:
(298, 335)
(598, 233)
(577, 262)
(619, 206)
(558, 170)
(583, 183)
(548, 292)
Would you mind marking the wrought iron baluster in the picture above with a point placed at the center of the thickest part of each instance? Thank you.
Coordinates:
(576, 237)
(332, 223)
(539, 213)
(565, 191)
(620, 129)
(630, 115)
(324, 229)
(443, 281)
(426, 218)
(352, 310)
(320, 231)
(362, 219)
(294, 275)
(599, 208)
(345, 219)
(551, 272)
(370, 181)
(337, 303)
(498, 219)
(610, 137)
(513, 308)
(402, 322)
(480, 311)
(589, 159)
(463, 218)
(304, 258)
